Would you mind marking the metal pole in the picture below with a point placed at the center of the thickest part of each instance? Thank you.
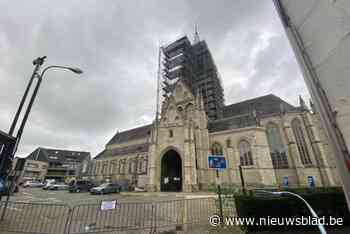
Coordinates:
(242, 179)
(38, 63)
(25, 118)
(313, 213)
(320, 227)
(219, 194)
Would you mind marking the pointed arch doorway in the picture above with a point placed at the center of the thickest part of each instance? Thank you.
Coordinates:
(171, 172)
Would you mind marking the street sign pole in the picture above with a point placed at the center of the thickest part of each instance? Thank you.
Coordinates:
(218, 162)
(219, 194)
(242, 179)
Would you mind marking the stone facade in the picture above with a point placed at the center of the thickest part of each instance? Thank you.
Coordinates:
(273, 141)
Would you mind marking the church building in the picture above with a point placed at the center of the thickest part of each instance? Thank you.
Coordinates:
(273, 142)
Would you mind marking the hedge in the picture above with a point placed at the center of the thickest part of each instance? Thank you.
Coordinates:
(325, 203)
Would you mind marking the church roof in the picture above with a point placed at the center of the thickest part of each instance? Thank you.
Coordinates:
(130, 149)
(264, 105)
(131, 134)
(231, 123)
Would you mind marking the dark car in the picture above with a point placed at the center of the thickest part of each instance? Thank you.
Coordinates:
(80, 186)
(106, 188)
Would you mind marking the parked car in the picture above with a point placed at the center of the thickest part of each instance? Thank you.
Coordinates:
(80, 186)
(106, 188)
(58, 186)
(48, 184)
(33, 184)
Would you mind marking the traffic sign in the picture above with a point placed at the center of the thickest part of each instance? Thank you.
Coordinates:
(311, 181)
(285, 181)
(217, 162)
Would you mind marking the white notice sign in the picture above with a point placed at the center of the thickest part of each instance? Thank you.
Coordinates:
(108, 205)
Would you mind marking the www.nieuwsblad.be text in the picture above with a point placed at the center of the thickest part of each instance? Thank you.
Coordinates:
(215, 220)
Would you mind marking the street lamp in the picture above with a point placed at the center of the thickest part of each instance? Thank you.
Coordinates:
(288, 194)
(37, 63)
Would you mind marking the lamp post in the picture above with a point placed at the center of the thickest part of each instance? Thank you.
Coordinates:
(287, 194)
(38, 62)
(35, 92)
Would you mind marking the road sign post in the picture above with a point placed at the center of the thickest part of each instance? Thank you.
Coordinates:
(218, 162)
(242, 179)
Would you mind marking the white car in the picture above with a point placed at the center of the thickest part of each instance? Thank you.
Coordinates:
(33, 184)
(58, 186)
(48, 184)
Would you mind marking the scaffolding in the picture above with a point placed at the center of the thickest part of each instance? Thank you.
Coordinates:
(193, 64)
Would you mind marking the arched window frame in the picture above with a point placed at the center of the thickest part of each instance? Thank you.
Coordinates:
(301, 142)
(228, 142)
(277, 149)
(245, 153)
(216, 149)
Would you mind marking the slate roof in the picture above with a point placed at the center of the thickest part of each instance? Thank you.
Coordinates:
(58, 155)
(231, 123)
(264, 105)
(100, 155)
(237, 115)
(137, 148)
(131, 134)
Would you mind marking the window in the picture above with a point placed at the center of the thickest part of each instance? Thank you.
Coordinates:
(122, 166)
(115, 167)
(131, 166)
(104, 168)
(171, 133)
(216, 149)
(301, 143)
(245, 154)
(228, 142)
(110, 167)
(139, 166)
(144, 165)
(277, 149)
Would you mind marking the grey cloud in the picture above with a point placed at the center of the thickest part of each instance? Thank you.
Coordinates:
(115, 43)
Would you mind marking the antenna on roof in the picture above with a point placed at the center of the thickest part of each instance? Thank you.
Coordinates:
(196, 34)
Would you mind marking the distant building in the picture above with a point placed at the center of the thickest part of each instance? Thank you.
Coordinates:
(61, 164)
(33, 170)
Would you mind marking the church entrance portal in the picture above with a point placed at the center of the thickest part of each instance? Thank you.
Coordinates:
(171, 172)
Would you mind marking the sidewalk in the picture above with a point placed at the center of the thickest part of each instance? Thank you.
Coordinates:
(171, 194)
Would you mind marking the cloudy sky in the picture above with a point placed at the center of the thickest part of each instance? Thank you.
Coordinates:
(115, 43)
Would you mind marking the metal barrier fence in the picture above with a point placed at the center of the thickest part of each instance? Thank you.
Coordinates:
(23, 217)
(126, 217)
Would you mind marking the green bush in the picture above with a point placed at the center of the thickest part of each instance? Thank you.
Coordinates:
(325, 203)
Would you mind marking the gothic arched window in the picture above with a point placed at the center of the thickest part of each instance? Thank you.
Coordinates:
(277, 149)
(301, 142)
(216, 149)
(245, 153)
(228, 142)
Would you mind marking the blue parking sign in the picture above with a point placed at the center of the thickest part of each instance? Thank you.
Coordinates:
(285, 181)
(311, 181)
(217, 162)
